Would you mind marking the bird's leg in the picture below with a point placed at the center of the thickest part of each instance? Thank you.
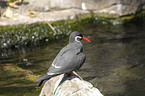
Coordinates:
(71, 74)
(74, 74)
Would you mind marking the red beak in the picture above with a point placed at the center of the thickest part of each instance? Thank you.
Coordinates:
(86, 39)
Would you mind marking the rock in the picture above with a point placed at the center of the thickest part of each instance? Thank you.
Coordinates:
(54, 10)
(8, 13)
(120, 7)
(25, 18)
(47, 5)
(3, 5)
(71, 86)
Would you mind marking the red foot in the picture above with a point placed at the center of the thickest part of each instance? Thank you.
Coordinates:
(71, 73)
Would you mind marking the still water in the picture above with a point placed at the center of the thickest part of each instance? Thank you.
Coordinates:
(115, 62)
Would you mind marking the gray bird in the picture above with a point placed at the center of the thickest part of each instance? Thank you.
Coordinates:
(69, 59)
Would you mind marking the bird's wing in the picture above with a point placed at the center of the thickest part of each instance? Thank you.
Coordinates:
(67, 61)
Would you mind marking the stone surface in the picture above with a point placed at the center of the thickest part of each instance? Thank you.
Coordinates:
(18, 18)
(120, 7)
(53, 10)
(3, 5)
(71, 86)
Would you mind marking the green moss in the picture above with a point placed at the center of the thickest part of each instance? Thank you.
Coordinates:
(137, 19)
(33, 34)
(9, 1)
(39, 32)
(15, 70)
(26, 34)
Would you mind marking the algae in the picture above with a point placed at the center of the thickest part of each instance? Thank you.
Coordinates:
(33, 34)
(13, 36)
(137, 19)
(39, 33)
(13, 69)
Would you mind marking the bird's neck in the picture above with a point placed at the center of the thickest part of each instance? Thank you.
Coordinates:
(77, 46)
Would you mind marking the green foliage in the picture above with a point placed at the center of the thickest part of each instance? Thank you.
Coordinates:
(33, 34)
(10, 1)
(26, 34)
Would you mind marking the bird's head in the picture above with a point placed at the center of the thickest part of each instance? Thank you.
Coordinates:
(77, 37)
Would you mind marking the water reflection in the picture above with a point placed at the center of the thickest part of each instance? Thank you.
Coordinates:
(115, 63)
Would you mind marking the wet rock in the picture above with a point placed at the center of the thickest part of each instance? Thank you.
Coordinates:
(71, 86)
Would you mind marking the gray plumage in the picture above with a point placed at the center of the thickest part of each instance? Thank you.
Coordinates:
(69, 59)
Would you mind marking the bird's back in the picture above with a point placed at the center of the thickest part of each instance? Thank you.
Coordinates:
(69, 59)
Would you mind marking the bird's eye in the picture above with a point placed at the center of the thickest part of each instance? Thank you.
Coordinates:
(78, 38)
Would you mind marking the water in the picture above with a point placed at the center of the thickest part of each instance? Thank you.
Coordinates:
(115, 62)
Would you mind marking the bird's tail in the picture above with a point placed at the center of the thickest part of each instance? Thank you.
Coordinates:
(44, 77)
